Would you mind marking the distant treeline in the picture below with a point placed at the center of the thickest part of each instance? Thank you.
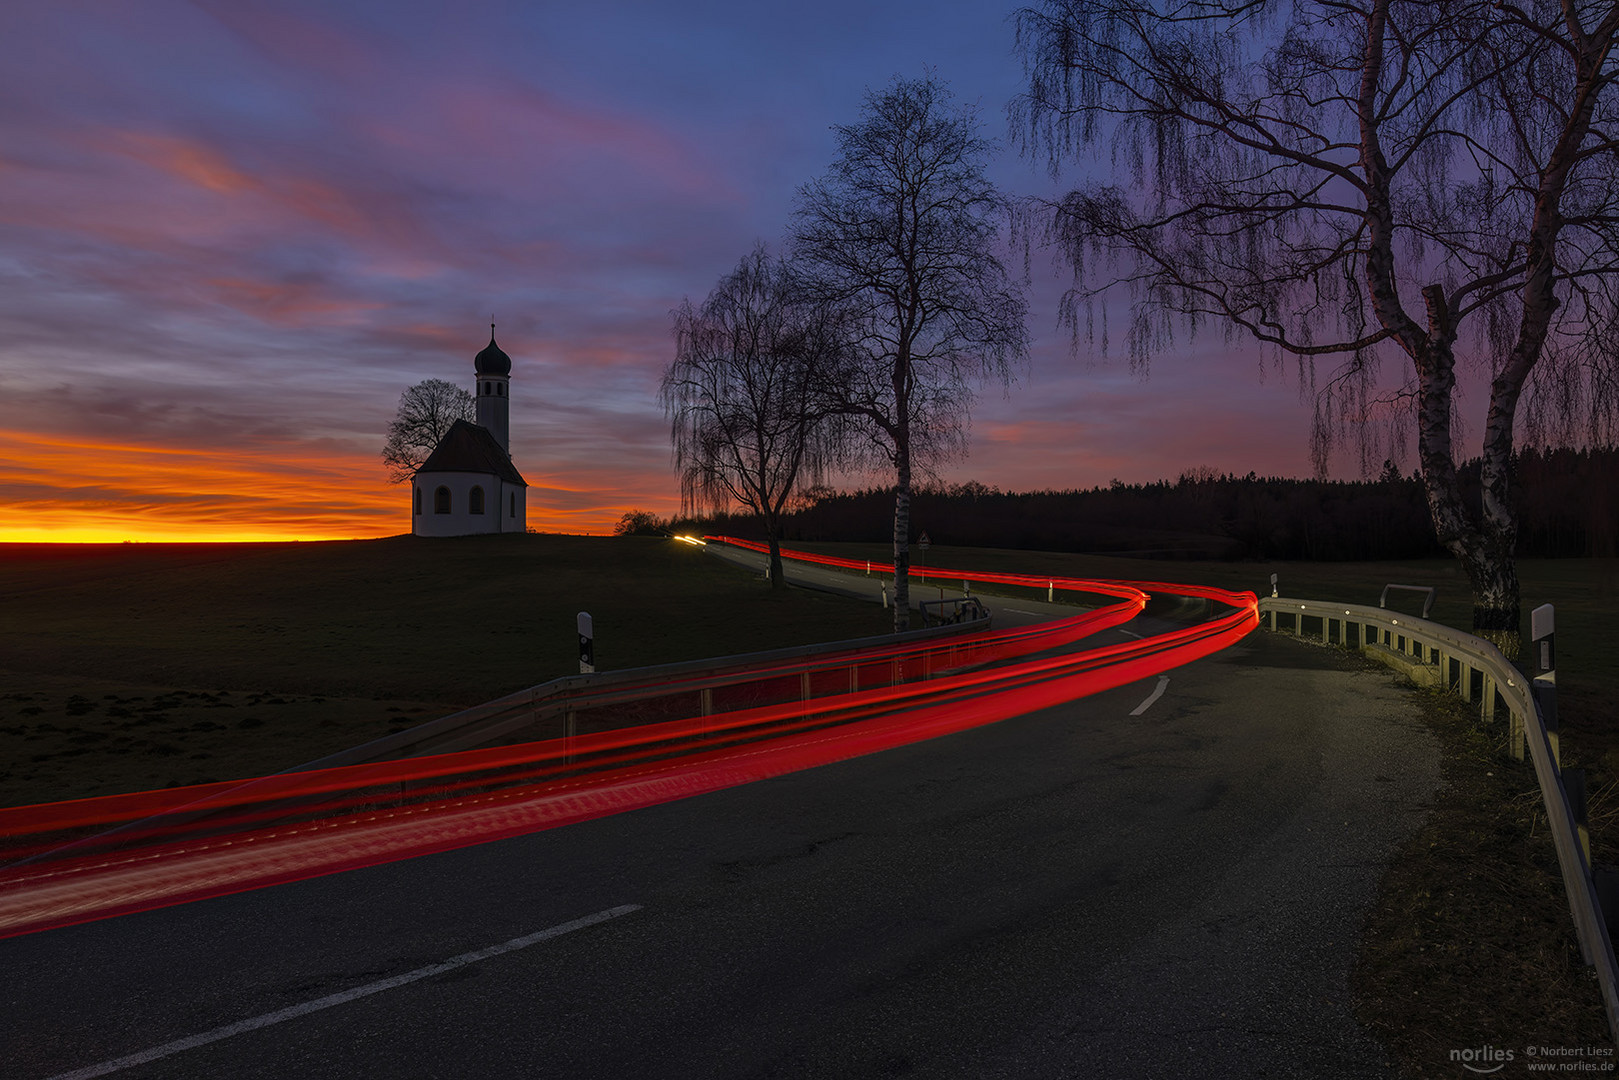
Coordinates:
(1568, 505)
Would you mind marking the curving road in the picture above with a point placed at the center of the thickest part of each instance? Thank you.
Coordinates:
(1123, 885)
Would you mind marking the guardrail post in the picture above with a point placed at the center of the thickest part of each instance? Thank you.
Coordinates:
(1606, 881)
(1326, 630)
(1051, 591)
(1574, 786)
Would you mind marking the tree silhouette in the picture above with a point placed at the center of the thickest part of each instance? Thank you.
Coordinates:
(746, 395)
(900, 232)
(426, 411)
(1359, 178)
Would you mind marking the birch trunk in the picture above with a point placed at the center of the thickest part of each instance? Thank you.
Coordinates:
(1486, 553)
(1482, 543)
(902, 538)
(778, 576)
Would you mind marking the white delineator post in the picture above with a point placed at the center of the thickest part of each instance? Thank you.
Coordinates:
(1542, 627)
(587, 644)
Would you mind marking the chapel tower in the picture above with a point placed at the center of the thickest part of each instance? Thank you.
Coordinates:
(494, 371)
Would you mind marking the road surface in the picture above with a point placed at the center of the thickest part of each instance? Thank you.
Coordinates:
(1115, 887)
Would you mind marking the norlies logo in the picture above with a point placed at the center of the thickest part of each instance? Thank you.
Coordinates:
(1484, 1059)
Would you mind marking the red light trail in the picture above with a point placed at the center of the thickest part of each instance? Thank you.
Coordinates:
(183, 844)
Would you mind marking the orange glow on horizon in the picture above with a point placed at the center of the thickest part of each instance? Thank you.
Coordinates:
(81, 490)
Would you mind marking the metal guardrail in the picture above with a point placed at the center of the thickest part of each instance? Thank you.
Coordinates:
(952, 611)
(618, 699)
(1427, 604)
(503, 717)
(1432, 652)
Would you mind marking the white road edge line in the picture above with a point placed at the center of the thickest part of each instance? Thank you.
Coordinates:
(1131, 633)
(1163, 681)
(346, 996)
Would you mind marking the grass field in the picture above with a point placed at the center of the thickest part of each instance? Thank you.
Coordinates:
(128, 667)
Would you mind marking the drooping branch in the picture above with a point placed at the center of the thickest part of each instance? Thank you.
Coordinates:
(1307, 173)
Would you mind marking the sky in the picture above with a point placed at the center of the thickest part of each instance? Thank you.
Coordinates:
(233, 233)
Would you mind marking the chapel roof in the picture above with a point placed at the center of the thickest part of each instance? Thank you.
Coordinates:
(470, 448)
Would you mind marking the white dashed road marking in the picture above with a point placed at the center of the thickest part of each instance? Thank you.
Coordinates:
(294, 1011)
(1163, 681)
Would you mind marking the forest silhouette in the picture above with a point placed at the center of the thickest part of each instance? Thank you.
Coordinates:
(1568, 500)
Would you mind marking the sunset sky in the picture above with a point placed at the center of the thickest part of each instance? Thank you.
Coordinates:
(231, 234)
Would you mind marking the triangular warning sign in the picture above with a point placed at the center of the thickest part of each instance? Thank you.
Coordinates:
(923, 541)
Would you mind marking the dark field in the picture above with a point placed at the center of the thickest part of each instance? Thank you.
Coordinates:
(132, 666)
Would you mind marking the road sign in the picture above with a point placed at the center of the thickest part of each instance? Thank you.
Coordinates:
(923, 542)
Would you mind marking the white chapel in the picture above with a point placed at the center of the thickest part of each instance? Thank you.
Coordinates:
(468, 484)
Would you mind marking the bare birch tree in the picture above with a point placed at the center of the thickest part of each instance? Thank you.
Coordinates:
(1359, 178)
(745, 395)
(426, 411)
(902, 231)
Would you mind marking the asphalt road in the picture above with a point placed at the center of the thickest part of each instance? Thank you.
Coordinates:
(930, 585)
(1079, 892)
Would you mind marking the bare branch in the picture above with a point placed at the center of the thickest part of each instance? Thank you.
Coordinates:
(901, 233)
(426, 411)
(1307, 172)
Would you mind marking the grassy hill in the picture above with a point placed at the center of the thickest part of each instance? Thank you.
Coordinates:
(133, 666)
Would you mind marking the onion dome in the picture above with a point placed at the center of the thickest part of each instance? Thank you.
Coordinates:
(492, 360)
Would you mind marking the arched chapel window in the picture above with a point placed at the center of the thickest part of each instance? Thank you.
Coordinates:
(441, 501)
(475, 502)
(418, 502)
(500, 391)
(512, 512)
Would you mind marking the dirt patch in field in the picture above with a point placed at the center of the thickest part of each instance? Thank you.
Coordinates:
(70, 738)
